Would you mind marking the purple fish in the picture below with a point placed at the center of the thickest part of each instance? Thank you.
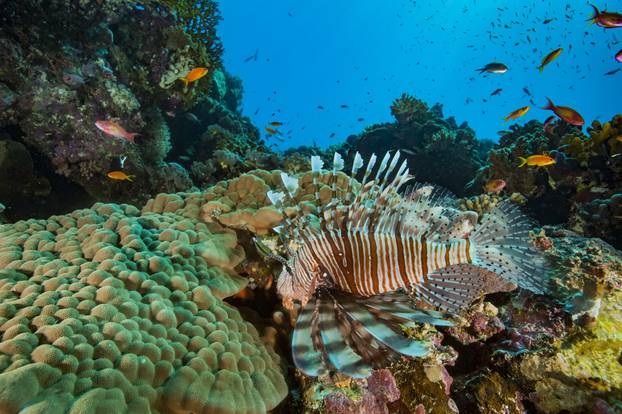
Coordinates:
(619, 56)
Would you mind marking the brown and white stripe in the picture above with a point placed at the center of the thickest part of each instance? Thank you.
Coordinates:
(368, 264)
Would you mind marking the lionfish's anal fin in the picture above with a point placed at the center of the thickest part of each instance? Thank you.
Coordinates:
(452, 288)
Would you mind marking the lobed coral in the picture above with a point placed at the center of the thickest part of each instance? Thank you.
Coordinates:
(115, 309)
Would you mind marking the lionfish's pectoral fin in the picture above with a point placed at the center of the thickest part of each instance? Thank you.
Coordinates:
(452, 288)
(352, 335)
(400, 308)
(306, 358)
(318, 342)
(383, 332)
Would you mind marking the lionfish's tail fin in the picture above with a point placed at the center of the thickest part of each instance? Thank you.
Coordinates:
(452, 288)
(353, 335)
(501, 244)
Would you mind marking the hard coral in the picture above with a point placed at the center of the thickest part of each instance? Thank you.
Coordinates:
(97, 60)
(407, 109)
(117, 308)
(424, 136)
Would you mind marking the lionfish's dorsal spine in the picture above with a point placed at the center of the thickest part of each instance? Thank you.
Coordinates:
(316, 170)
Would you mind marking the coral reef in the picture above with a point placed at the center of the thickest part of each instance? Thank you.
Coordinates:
(581, 188)
(65, 66)
(437, 149)
(112, 306)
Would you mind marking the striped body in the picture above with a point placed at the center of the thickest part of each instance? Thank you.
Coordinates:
(369, 264)
(361, 263)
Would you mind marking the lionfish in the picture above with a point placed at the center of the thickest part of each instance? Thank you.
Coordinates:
(362, 263)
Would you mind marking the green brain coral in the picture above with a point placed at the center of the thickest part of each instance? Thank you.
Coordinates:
(111, 309)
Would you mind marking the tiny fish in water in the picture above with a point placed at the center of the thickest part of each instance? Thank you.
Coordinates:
(495, 186)
(539, 160)
(549, 58)
(496, 92)
(618, 56)
(252, 57)
(192, 118)
(120, 175)
(73, 80)
(526, 91)
(613, 72)
(276, 123)
(194, 75)
(493, 68)
(566, 113)
(518, 113)
(608, 20)
(272, 131)
(112, 128)
(320, 107)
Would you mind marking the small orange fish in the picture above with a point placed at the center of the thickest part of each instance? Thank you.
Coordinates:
(549, 58)
(276, 123)
(567, 114)
(114, 129)
(272, 131)
(518, 113)
(536, 161)
(495, 186)
(120, 175)
(193, 76)
(619, 138)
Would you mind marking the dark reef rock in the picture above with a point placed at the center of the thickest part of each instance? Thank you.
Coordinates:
(580, 188)
(65, 65)
(438, 150)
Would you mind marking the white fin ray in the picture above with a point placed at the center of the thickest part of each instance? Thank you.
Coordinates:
(290, 183)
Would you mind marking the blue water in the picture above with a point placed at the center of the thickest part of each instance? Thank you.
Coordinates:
(365, 53)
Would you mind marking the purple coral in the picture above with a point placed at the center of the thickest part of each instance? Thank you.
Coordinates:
(381, 389)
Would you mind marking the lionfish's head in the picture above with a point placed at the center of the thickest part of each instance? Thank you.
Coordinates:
(291, 284)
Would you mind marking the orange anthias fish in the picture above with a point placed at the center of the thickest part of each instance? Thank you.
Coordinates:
(518, 113)
(114, 129)
(536, 161)
(495, 186)
(549, 58)
(608, 20)
(120, 175)
(276, 123)
(194, 75)
(272, 131)
(567, 114)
